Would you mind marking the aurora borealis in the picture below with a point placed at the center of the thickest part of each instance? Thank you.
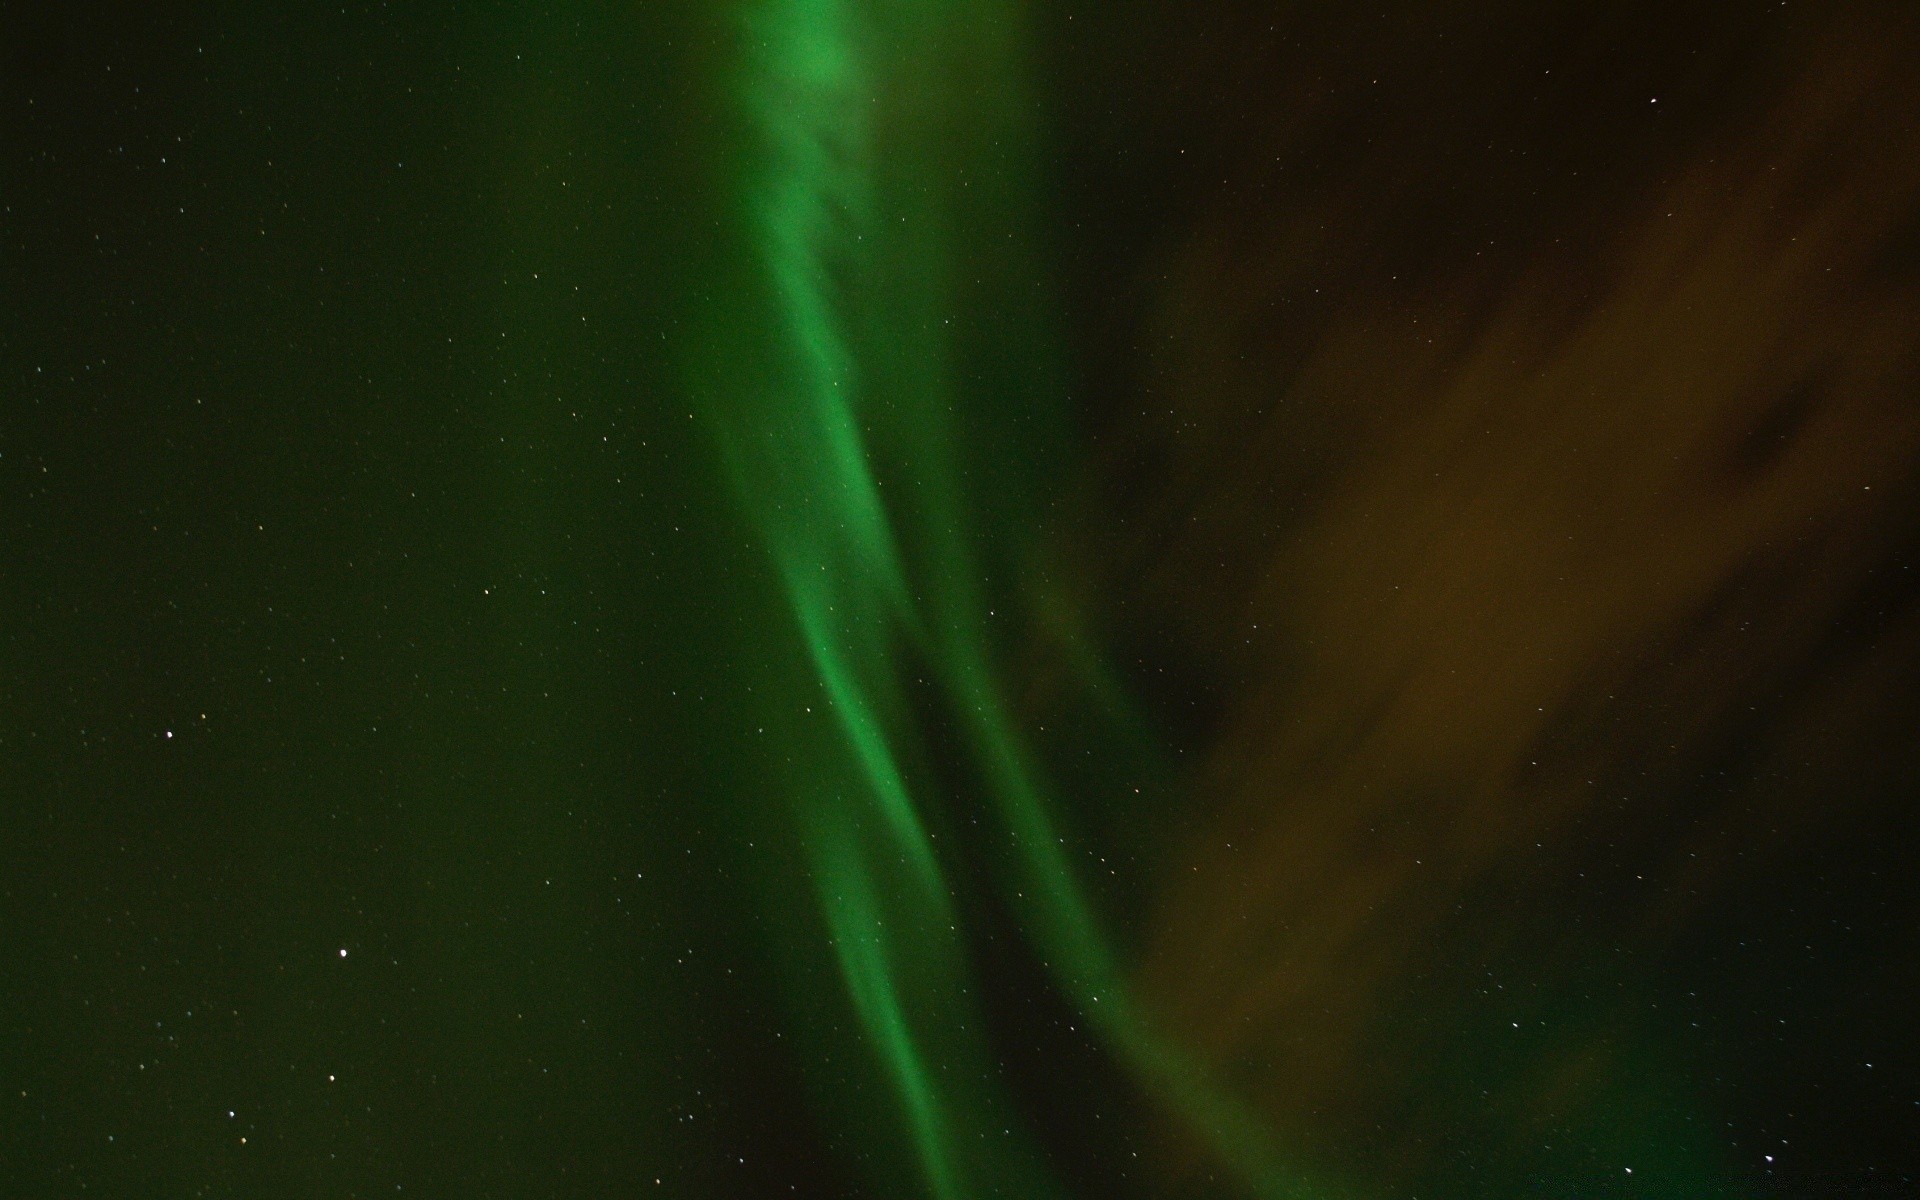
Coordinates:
(918, 598)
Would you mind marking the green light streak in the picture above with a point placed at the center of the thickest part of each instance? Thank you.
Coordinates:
(827, 352)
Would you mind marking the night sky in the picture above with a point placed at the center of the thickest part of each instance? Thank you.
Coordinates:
(905, 598)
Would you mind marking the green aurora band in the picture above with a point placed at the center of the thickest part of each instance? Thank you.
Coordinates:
(881, 221)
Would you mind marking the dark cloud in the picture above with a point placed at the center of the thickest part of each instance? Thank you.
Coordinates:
(1518, 454)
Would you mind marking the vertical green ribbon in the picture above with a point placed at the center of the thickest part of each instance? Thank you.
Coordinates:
(878, 202)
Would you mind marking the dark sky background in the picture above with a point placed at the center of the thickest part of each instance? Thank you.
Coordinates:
(1492, 434)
